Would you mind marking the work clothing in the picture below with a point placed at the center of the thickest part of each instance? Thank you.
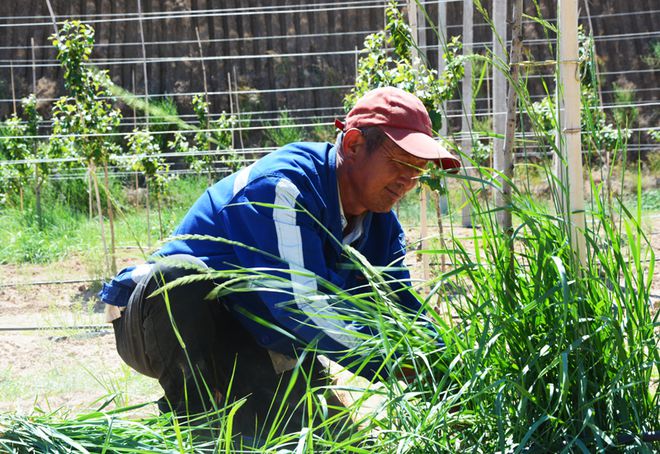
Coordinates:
(282, 217)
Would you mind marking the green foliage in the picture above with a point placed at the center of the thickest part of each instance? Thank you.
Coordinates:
(322, 133)
(143, 158)
(654, 134)
(82, 121)
(22, 240)
(163, 120)
(217, 133)
(379, 68)
(285, 131)
(223, 131)
(203, 137)
(653, 58)
(624, 95)
(14, 146)
(19, 142)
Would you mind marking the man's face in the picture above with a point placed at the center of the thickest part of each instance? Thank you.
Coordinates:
(381, 178)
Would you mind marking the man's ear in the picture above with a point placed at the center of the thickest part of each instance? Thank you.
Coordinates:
(353, 142)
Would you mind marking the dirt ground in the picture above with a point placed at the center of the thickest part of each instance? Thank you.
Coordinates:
(75, 370)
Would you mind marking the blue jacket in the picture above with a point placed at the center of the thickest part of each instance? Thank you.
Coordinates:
(285, 207)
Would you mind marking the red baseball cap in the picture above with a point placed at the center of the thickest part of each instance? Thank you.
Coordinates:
(404, 119)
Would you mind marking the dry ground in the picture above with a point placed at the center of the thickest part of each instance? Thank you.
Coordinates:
(72, 369)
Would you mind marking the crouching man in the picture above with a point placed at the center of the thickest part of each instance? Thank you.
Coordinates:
(286, 217)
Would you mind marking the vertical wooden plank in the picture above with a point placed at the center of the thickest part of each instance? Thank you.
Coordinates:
(569, 168)
(502, 159)
(466, 119)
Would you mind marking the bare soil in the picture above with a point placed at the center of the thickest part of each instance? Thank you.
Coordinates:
(72, 369)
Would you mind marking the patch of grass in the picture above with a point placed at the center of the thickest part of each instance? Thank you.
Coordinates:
(69, 230)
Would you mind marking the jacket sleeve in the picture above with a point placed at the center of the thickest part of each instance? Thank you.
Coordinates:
(271, 215)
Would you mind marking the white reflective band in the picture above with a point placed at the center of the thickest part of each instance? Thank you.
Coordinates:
(241, 178)
(289, 240)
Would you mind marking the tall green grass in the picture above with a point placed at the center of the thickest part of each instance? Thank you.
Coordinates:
(541, 353)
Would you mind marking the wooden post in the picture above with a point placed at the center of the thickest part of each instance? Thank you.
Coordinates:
(501, 160)
(568, 167)
(466, 121)
(503, 197)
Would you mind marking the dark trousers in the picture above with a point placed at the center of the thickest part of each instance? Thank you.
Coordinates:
(221, 362)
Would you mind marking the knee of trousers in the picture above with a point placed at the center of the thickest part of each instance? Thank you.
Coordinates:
(144, 313)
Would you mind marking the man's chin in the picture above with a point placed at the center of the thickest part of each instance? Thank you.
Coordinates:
(383, 209)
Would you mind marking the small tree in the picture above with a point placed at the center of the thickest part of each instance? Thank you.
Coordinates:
(37, 150)
(222, 133)
(83, 121)
(145, 158)
(14, 146)
(380, 67)
(22, 144)
(212, 134)
(204, 162)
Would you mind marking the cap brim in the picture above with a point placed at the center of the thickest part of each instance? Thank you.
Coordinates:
(422, 146)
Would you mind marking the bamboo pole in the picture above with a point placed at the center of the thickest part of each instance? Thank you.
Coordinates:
(605, 171)
(568, 167)
(146, 108)
(37, 184)
(111, 219)
(13, 85)
(148, 206)
(136, 181)
(92, 172)
(238, 110)
(466, 120)
(52, 15)
(421, 29)
(90, 192)
(201, 60)
(144, 65)
(231, 104)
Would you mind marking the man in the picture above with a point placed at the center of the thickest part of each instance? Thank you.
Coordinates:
(273, 243)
